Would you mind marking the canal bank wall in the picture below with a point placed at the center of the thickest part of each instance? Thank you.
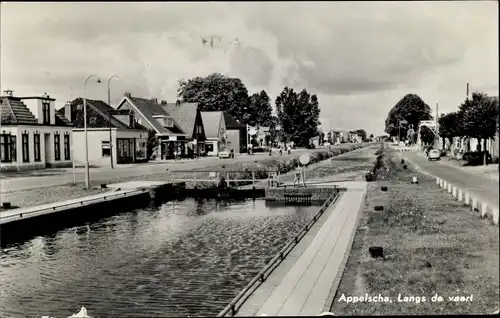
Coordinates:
(21, 224)
(24, 223)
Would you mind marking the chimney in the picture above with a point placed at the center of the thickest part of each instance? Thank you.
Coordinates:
(67, 111)
(9, 92)
(177, 103)
(127, 94)
(163, 102)
(154, 99)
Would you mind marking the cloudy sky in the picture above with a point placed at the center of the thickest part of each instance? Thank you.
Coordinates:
(360, 58)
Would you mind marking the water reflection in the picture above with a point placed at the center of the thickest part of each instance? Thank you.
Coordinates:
(182, 258)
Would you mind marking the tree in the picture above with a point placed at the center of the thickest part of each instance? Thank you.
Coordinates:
(479, 117)
(152, 143)
(216, 92)
(298, 115)
(361, 132)
(426, 135)
(259, 112)
(450, 126)
(410, 110)
(274, 129)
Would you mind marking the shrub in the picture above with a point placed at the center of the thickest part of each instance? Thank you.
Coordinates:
(474, 158)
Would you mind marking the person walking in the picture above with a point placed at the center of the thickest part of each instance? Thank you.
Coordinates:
(296, 179)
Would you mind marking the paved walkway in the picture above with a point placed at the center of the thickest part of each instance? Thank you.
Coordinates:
(482, 187)
(313, 273)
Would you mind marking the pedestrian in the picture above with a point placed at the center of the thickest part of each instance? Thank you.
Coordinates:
(296, 179)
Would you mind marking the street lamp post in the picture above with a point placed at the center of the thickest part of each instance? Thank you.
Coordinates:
(110, 134)
(87, 171)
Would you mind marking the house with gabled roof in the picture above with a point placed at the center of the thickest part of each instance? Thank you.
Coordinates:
(32, 134)
(215, 130)
(178, 127)
(237, 134)
(113, 135)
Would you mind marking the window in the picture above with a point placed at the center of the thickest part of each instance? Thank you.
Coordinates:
(13, 148)
(46, 113)
(36, 142)
(66, 148)
(169, 122)
(199, 130)
(57, 147)
(5, 148)
(209, 147)
(26, 149)
(106, 151)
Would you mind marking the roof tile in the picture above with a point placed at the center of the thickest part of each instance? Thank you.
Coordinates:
(14, 111)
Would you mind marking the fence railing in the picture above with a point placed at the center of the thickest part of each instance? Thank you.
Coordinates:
(230, 176)
(280, 256)
(75, 204)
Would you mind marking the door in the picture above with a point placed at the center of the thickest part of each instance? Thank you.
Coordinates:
(48, 152)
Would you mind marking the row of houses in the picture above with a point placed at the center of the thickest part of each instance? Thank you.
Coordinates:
(341, 136)
(34, 135)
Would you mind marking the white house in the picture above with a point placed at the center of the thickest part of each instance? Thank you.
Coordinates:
(32, 134)
(215, 131)
(104, 124)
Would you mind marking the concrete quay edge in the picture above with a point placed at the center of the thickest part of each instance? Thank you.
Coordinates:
(118, 191)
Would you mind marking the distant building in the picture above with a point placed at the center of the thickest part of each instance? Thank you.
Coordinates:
(237, 137)
(33, 135)
(215, 130)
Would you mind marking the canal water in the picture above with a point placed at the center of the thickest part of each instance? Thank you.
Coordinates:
(182, 258)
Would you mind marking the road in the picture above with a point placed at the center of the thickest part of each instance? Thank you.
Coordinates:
(483, 187)
(57, 177)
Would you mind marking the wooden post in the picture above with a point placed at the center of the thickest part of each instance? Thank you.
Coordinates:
(227, 179)
(194, 178)
(253, 178)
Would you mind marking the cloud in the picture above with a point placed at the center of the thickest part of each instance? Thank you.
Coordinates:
(360, 58)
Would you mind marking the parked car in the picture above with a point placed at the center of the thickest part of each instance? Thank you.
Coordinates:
(225, 153)
(434, 154)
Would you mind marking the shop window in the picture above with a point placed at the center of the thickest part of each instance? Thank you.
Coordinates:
(106, 150)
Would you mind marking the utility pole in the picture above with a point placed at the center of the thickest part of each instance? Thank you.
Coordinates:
(467, 92)
(87, 170)
(110, 133)
(436, 135)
